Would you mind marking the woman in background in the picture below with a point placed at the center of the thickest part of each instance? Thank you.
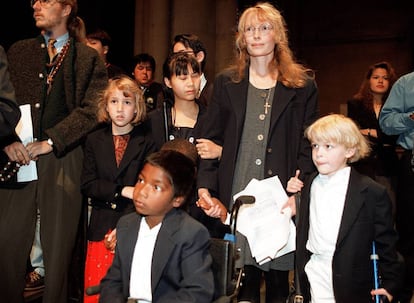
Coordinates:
(364, 109)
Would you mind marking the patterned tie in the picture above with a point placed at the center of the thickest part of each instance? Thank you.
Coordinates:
(51, 49)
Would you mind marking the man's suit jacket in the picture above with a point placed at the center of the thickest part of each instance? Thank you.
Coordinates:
(102, 179)
(181, 262)
(366, 217)
(84, 77)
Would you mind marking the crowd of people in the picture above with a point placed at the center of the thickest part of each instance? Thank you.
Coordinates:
(117, 180)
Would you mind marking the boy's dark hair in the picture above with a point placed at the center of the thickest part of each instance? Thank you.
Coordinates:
(183, 146)
(101, 35)
(144, 57)
(180, 169)
(192, 41)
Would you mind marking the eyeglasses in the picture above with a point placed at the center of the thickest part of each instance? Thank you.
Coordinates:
(43, 3)
(264, 29)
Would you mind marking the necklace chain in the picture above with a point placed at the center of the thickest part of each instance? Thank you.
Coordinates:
(267, 104)
(55, 66)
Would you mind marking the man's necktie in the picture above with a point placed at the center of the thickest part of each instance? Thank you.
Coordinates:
(51, 49)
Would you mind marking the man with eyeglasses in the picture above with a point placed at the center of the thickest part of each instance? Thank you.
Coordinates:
(144, 73)
(61, 82)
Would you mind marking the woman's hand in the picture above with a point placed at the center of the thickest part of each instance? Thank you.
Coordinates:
(370, 132)
(207, 149)
(212, 206)
(128, 192)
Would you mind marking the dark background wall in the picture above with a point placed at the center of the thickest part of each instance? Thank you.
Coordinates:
(116, 17)
(338, 39)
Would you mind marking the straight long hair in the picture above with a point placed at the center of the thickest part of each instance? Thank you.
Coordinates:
(290, 73)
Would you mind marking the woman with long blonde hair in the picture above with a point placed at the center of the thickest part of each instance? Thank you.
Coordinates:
(261, 105)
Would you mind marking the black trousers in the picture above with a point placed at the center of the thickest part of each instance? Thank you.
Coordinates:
(277, 285)
(404, 221)
(57, 195)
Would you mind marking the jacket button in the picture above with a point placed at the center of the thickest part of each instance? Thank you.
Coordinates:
(37, 105)
(269, 172)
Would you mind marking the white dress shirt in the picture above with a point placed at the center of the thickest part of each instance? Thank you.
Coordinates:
(140, 282)
(325, 213)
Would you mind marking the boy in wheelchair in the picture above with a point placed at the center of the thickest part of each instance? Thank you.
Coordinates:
(162, 254)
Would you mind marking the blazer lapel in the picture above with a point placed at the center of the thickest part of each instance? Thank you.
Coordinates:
(281, 99)
(109, 153)
(131, 240)
(353, 204)
(164, 246)
(238, 99)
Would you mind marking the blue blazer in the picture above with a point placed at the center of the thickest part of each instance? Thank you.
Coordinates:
(181, 263)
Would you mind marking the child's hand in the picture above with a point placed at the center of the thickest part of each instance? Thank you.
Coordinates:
(381, 292)
(110, 240)
(294, 184)
(212, 207)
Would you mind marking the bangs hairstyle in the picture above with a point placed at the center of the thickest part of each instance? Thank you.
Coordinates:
(179, 168)
(130, 89)
(290, 73)
(178, 64)
(341, 130)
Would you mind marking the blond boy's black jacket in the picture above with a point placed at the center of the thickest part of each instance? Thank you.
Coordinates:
(366, 217)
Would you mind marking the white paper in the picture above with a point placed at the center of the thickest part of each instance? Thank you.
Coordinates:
(24, 129)
(270, 232)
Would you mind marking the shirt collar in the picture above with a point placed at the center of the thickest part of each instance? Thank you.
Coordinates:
(60, 41)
